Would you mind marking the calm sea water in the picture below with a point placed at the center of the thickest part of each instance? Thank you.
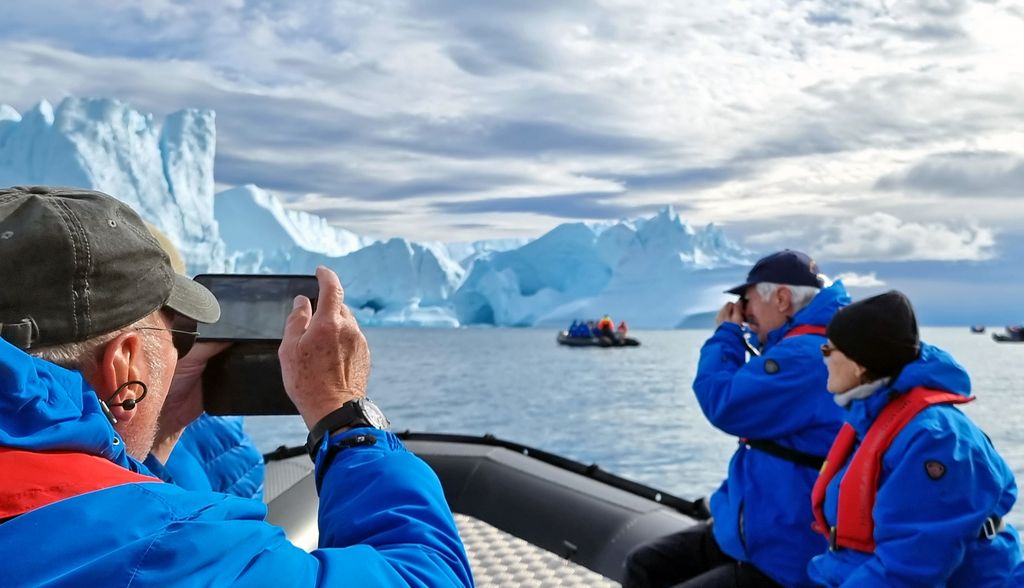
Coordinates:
(630, 410)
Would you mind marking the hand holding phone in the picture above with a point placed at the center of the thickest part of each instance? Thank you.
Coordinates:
(325, 360)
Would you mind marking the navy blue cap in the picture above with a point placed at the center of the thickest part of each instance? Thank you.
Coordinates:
(793, 268)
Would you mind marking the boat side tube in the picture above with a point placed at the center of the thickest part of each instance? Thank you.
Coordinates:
(580, 512)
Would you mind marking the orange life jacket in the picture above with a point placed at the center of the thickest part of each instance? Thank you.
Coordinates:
(33, 479)
(855, 523)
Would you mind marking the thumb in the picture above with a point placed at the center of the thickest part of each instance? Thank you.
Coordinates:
(298, 320)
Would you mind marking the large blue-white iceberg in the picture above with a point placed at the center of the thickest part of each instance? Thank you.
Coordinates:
(655, 272)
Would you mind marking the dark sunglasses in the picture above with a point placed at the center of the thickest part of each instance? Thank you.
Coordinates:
(827, 349)
(183, 333)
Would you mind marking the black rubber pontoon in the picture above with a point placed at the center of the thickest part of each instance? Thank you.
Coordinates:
(576, 511)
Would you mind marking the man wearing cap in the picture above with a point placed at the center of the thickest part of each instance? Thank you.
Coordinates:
(88, 292)
(777, 405)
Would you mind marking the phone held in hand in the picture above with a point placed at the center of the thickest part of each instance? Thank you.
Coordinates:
(246, 378)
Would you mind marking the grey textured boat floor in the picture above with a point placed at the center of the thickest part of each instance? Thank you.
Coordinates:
(499, 559)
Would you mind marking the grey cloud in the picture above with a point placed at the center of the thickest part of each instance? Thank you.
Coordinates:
(824, 19)
(469, 226)
(236, 169)
(927, 31)
(880, 110)
(961, 174)
(487, 50)
(681, 179)
(485, 137)
(456, 183)
(939, 8)
(589, 205)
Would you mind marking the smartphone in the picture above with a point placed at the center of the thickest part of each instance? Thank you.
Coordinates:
(245, 379)
(254, 307)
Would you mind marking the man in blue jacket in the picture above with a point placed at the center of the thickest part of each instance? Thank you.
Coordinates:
(778, 406)
(85, 285)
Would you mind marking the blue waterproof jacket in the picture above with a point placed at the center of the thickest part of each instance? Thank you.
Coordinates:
(927, 530)
(214, 453)
(383, 518)
(761, 511)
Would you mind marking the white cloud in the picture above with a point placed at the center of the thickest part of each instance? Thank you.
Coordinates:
(883, 237)
(855, 280)
(792, 107)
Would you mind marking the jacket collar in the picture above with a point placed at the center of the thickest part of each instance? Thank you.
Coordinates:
(45, 407)
(818, 312)
(934, 368)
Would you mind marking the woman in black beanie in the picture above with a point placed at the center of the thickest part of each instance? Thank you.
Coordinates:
(912, 492)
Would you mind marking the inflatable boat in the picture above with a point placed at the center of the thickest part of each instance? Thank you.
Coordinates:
(527, 517)
(1013, 334)
(565, 339)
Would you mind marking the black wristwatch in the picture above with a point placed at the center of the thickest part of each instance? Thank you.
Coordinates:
(359, 412)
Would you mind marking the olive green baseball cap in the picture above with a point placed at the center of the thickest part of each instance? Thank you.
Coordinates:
(75, 264)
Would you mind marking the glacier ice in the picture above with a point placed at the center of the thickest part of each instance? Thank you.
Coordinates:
(657, 272)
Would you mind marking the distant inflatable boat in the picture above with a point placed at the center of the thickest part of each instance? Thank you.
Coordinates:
(565, 339)
(1013, 334)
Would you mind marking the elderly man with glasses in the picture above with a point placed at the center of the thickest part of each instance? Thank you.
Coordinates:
(776, 403)
(98, 371)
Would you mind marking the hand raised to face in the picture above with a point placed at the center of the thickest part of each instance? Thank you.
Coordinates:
(730, 312)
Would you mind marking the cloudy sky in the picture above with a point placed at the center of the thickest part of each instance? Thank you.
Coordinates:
(859, 130)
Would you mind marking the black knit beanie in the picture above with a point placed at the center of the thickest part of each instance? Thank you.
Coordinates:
(879, 333)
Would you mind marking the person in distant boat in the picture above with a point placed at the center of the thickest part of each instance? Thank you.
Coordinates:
(98, 370)
(592, 330)
(606, 327)
(913, 492)
(622, 329)
(777, 404)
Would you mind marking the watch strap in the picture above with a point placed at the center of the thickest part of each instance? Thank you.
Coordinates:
(348, 415)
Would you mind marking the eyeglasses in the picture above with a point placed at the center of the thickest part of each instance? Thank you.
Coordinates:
(827, 349)
(183, 333)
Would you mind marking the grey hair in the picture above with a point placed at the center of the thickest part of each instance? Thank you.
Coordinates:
(802, 295)
(84, 356)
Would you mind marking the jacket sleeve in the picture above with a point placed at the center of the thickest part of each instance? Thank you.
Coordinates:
(383, 522)
(923, 525)
(390, 503)
(756, 399)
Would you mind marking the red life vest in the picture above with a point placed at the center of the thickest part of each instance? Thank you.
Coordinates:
(855, 524)
(805, 330)
(34, 479)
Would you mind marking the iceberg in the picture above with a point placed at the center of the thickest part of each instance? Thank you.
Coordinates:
(163, 169)
(656, 272)
(653, 272)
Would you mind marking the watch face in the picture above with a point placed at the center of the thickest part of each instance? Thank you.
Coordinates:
(374, 415)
